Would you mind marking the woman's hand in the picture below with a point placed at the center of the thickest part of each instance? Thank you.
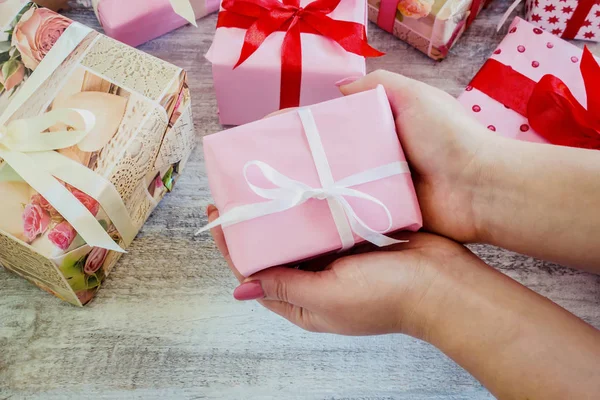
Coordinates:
(443, 145)
(397, 289)
(472, 185)
(476, 186)
(435, 289)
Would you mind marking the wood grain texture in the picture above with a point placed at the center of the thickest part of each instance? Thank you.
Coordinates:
(165, 325)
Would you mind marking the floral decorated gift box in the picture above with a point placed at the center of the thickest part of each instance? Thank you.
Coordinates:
(432, 26)
(139, 139)
(55, 5)
(539, 88)
(134, 22)
(310, 182)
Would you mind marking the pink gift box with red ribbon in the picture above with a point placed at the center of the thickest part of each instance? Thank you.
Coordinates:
(269, 181)
(293, 57)
(569, 19)
(539, 88)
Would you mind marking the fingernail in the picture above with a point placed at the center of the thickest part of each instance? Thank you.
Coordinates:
(347, 81)
(251, 290)
(210, 209)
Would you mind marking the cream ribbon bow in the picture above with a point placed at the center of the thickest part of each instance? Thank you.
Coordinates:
(30, 153)
(290, 193)
(182, 8)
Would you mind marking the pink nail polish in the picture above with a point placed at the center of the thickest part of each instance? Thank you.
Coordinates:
(347, 81)
(210, 209)
(251, 290)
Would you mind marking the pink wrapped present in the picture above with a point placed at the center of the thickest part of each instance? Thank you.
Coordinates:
(539, 88)
(137, 21)
(310, 182)
(292, 58)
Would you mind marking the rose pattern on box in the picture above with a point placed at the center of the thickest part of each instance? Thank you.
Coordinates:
(431, 26)
(140, 143)
(553, 16)
(31, 35)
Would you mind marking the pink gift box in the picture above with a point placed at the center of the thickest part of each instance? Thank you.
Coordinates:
(358, 133)
(137, 21)
(570, 19)
(252, 90)
(533, 53)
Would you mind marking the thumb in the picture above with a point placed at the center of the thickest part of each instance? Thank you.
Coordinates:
(400, 89)
(389, 80)
(301, 288)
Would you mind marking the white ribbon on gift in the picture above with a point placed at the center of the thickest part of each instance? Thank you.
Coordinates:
(507, 14)
(290, 193)
(183, 8)
(28, 150)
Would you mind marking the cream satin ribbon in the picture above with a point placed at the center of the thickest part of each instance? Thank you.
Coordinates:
(291, 193)
(23, 140)
(29, 151)
(182, 8)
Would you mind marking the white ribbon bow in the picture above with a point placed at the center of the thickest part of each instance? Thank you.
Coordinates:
(291, 193)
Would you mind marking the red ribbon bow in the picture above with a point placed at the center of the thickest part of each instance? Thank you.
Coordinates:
(551, 108)
(557, 115)
(263, 17)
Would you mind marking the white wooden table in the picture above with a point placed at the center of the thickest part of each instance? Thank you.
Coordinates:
(165, 325)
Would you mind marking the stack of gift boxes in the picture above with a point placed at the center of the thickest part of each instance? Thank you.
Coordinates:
(93, 133)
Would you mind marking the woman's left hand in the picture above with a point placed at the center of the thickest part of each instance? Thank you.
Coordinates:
(437, 290)
(363, 293)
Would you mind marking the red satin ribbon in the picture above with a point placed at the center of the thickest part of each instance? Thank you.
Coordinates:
(261, 18)
(475, 6)
(579, 16)
(551, 108)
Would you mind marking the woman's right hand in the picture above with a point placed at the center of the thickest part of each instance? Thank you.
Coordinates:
(443, 147)
(477, 186)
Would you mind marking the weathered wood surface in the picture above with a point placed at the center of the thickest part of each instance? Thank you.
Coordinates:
(165, 325)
